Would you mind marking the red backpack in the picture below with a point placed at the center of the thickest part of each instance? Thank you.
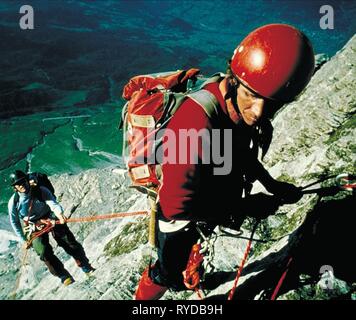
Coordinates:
(152, 101)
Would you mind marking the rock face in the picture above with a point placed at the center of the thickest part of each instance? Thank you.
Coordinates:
(313, 137)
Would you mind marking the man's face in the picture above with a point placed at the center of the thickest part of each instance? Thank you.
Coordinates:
(250, 105)
(22, 187)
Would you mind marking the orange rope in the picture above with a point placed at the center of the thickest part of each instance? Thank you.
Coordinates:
(106, 216)
(49, 226)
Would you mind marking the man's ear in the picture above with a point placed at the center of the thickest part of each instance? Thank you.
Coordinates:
(232, 86)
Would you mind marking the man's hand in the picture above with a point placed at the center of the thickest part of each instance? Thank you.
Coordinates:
(287, 192)
(62, 219)
(260, 205)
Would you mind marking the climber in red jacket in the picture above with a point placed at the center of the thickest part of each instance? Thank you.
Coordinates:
(271, 66)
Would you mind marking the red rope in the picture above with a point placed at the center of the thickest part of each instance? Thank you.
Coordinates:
(240, 268)
(346, 186)
(198, 292)
(191, 277)
(280, 282)
(47, 228)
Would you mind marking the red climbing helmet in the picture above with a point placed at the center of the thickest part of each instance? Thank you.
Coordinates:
(276, 61)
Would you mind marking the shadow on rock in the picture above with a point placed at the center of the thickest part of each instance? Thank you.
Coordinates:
(324, 239)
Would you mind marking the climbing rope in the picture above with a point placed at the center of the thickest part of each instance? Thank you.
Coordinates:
(23, 262)
(106, 216)
(343, 181)
(46, 225)
(280, 282)
(319, 181)
(201, 255)
(191, 275)
(240, 268)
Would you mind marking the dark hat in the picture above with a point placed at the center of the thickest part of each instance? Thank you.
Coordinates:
(18, 177)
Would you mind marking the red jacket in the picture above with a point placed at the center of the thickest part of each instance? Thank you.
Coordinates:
(191, 191)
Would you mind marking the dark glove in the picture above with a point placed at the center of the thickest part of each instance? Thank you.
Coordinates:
(286, 192)
(260, 205)
(233, 221)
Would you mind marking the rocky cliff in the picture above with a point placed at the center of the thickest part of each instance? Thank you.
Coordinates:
(313, 137)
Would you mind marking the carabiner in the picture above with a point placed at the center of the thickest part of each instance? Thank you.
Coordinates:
(346, 181)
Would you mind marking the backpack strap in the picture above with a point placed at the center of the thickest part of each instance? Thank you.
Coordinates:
(36, 193)
(16, 199)
(205, 98)
(207, 101)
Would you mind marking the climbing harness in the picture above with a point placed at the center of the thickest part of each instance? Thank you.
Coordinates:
(202, 253)
(35, 230)
(240, 268)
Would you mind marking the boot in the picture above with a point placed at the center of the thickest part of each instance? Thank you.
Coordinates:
(67, 281)
(85, 266)
(147, 289)
(57, 269)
